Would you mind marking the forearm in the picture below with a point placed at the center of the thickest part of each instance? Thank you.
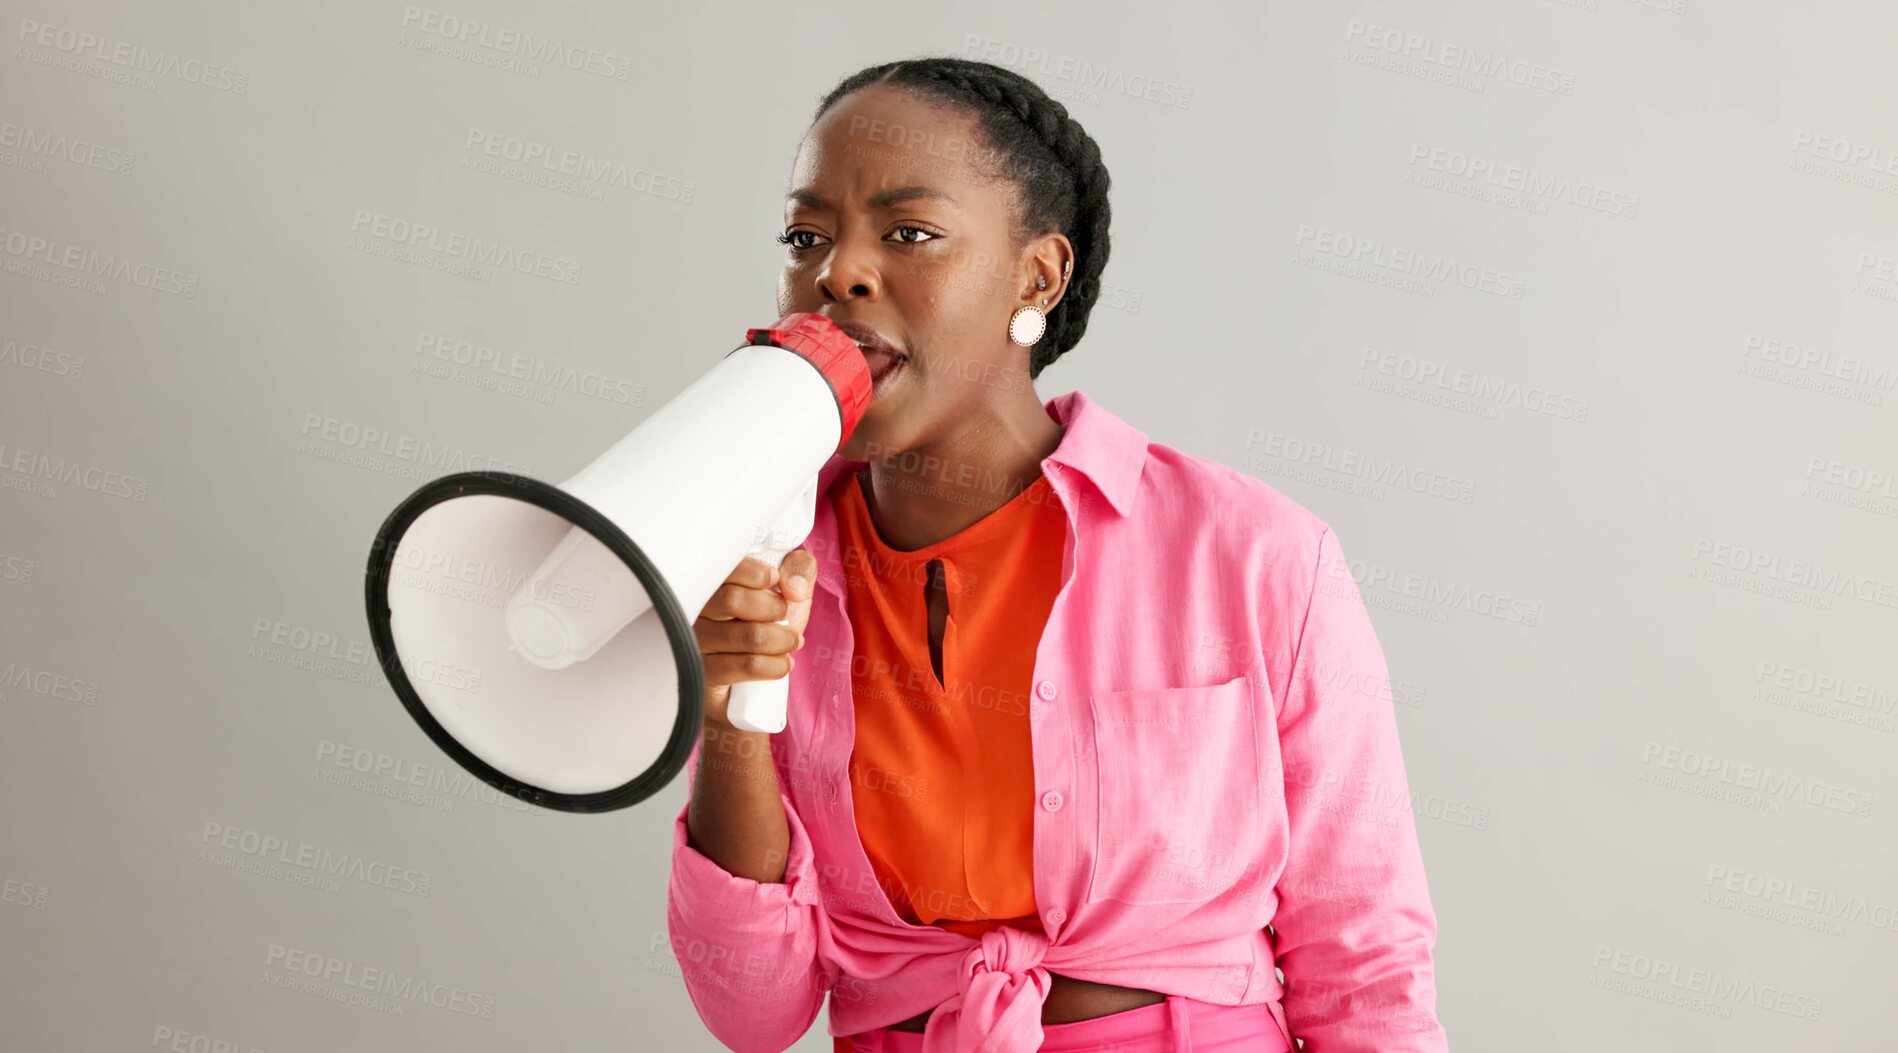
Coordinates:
(1355, 927)
(736, 815)
(743, 911)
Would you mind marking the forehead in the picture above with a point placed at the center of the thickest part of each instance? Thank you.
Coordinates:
(880, 137)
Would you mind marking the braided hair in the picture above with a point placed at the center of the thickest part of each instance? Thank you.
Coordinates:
(1047, 154)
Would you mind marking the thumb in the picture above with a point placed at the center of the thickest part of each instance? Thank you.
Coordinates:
(798, 575)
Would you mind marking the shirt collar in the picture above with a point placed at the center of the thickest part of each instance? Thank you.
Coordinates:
(1106, 450)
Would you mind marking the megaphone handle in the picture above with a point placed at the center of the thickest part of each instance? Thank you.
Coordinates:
(762, 705)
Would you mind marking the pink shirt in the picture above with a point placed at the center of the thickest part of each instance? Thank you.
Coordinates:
(1220, 787)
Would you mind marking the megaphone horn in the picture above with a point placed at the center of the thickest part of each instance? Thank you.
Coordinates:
(541, 635)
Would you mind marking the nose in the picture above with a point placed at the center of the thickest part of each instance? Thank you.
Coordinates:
(848, 275)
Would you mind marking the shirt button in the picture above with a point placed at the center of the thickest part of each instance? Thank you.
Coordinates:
(1051, 800)
(1046, 690)
(1280, 972)
(1057, 916)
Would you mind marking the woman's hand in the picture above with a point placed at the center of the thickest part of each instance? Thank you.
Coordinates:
(735, 818)
(738, 631)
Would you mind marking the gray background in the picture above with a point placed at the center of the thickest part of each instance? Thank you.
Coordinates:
(1645, 673)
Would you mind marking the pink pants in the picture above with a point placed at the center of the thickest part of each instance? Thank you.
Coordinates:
(1177, 1025)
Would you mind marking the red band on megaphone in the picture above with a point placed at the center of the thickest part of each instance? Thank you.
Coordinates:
(832, 351)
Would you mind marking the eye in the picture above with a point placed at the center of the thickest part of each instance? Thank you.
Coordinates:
(787, 238)
(908, 241)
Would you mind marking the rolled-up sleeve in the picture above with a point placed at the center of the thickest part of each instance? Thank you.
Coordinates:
(1354, 926)
(747, 950)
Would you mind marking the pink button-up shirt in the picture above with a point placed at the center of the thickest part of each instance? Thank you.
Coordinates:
(1221, 805)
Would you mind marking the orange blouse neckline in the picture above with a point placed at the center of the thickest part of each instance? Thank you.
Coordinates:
(983, 529)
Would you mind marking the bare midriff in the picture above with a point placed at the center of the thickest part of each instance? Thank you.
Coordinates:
(1069, 1000)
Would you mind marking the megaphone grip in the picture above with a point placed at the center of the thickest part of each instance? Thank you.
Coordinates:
(763, 705)
(760, 705)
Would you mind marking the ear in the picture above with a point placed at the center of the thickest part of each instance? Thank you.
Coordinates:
(1049, 260)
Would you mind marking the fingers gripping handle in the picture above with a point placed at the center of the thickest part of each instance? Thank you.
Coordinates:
(764, 705)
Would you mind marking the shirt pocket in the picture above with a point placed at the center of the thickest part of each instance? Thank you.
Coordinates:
(1181, 803)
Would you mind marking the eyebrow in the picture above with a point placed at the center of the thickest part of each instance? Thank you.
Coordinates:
(883, 199)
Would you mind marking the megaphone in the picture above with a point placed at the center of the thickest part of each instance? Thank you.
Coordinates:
(542, 635)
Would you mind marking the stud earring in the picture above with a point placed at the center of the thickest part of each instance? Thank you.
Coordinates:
(1040, 282)
(1027, 324)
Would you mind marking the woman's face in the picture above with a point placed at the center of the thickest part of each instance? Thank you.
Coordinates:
(894, 223)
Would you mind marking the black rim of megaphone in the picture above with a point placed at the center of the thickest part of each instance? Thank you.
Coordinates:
(678, 632)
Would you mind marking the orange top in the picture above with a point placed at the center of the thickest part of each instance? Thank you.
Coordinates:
(942, 777)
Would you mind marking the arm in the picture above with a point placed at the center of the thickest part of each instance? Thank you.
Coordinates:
(744, 931)
(1354, 925)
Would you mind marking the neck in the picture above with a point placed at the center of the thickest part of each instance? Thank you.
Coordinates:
(937, 490)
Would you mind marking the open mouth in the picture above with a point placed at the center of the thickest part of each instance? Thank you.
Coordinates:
(884, 360)
(883, 363)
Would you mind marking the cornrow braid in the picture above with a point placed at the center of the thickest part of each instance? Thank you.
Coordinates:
(1047, 154)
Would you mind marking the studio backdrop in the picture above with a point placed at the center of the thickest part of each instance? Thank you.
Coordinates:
(1575, 320)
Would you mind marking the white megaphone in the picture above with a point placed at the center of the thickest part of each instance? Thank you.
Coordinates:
(542, 635)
